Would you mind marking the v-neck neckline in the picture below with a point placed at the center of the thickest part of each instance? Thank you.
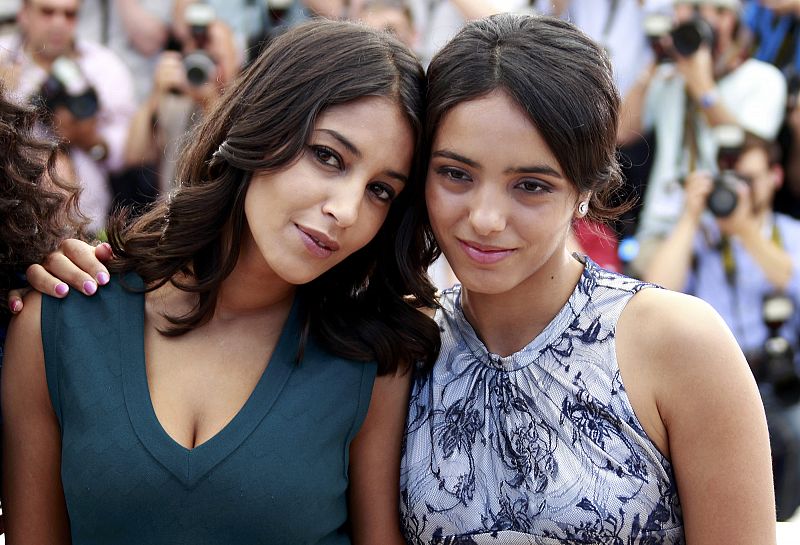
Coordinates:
(190, 465)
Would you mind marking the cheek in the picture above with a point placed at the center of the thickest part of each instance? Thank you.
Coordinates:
(440, 205)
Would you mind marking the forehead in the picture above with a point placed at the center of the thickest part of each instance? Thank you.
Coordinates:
(493, 128)
(753, 160)
(377, 126)
(55, 4)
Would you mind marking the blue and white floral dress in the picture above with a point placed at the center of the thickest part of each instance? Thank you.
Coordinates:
(539, 447)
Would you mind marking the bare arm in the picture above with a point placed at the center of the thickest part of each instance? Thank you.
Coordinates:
(375, 464)
(142, 146)
(711, 413)
(698, 74)
(33, 498)
(670, 264)
(630, 119)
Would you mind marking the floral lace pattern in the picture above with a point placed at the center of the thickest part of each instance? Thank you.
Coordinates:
(539, 447)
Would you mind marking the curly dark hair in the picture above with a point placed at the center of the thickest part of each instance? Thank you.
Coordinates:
(38, 208)
(365, 308)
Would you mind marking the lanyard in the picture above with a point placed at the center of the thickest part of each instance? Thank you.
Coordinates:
(729, 260)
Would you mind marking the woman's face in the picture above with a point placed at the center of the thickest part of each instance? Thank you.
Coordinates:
(332, 201)
(498, 201)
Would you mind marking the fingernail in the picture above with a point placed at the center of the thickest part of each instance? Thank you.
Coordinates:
(107, 246)
(102, 278)
(16, 306)
(89, 287)
(62, 289)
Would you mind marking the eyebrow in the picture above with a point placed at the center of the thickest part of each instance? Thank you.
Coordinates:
(344, 141)
(355, 151)
(547, 170)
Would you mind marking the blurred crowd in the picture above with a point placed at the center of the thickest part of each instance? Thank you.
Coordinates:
(709, 139)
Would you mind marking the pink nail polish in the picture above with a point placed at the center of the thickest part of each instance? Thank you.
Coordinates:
(102, 278)
(89, 287)
(16, 306)
(62, 289)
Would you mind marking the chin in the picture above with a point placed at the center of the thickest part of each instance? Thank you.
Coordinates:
(486, 282)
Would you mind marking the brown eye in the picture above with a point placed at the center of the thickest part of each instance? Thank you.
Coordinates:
(327, 156)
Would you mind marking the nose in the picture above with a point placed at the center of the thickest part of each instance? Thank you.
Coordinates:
(343, 202)
(486, 214)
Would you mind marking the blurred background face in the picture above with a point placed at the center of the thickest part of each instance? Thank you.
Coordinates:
(393, 20)
(764, 179)
(49, 25)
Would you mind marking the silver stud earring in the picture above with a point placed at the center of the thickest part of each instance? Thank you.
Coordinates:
(583, 208)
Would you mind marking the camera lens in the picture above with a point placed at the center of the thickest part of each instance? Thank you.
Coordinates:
(723, 199)
(689, 36)
(199, 67)
(83, 106)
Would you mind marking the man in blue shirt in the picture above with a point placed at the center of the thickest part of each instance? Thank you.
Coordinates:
(735, 262)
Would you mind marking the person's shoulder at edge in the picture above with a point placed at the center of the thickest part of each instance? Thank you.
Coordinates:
(683, 349)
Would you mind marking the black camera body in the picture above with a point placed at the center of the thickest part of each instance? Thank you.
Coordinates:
(723, 199)
(66, 86)
(776, 364)
(199, 64)
(686, 37)
(689, 36)
(724, 196)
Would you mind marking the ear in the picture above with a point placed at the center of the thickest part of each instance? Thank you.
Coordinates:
(776, 171)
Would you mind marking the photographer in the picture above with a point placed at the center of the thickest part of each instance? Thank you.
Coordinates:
(708, 82)
(189, 79)
(739, 263)
(87, 89)
(774, 36)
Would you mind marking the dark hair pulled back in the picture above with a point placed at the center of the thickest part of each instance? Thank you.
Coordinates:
(558, 75)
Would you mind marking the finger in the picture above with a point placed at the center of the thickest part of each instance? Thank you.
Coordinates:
(84, 257)
(41, 280)
(104, 253)
(57, 274)
(15, 300)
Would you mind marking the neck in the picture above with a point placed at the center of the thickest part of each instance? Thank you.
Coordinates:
(507, 322)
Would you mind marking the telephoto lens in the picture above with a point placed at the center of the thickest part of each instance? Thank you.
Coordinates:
(198, 64)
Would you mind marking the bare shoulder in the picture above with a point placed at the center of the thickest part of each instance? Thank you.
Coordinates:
(675, 329)
(688, 354)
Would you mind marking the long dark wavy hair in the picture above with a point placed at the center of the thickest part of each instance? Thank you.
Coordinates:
(38, 209)
(558, 75)
(365, 308)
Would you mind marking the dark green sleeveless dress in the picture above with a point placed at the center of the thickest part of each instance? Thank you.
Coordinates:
(277, 473)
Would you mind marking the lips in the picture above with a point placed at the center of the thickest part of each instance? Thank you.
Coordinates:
(483, 254)
(316, 242)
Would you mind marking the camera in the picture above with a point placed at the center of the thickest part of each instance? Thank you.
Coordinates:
(724, 198)
(775, 364)
(66, 86)
(686, 37)
(198, 64)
